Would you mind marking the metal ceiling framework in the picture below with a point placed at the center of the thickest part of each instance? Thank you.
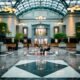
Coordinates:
(53, 5)
(21, 6)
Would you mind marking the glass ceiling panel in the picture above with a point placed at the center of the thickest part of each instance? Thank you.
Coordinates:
(7, 2)
(55, 5)
(72, 2)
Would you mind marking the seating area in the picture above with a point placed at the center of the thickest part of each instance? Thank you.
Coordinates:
(12, 46)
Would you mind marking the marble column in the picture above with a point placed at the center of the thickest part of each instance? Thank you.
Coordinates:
(71, 25)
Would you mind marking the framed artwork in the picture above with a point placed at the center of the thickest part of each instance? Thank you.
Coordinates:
(56, 29)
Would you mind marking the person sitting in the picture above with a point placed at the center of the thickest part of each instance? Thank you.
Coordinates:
(44, 49)
(48, 48)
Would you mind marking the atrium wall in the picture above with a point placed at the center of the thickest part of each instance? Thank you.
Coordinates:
(70, 20)
(29, 24)
(29, 19)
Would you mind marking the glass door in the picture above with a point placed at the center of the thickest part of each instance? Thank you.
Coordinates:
(40, 33)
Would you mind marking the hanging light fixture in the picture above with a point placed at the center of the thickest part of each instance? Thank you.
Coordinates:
(74, 8)
(9, 9)
(40, 18)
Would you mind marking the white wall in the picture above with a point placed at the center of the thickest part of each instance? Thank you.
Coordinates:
(30, 18)
(12, 21)
(29, 24)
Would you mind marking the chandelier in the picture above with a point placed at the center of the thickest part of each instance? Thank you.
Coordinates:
(40, 18)
(74, 8)
(9, 9)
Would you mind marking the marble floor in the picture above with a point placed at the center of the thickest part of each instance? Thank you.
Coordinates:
(29, 64)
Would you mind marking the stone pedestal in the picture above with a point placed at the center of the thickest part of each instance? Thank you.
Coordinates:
(3, 47)
(62, 45)
(20, 45)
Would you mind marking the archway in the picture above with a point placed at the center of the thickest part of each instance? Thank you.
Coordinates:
(40, 34)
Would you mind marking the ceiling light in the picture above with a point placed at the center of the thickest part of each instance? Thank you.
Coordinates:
(9, 9)
(40, 18)
(74, 8)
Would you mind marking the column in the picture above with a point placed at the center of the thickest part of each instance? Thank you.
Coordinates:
(71, 25)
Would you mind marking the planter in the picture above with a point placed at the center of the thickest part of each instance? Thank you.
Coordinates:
(62, 45)
(20, 45)
(60, 36)
(3, 47)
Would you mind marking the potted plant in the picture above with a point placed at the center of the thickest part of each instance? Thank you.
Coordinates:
(60, 36)
(77, 29)
(78, 45)
(18, 37)
(8, 33)
(3, 29)
(78, 38)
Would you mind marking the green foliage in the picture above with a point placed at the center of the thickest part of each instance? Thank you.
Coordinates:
(60, 36)
(78, 35)
(77, 28)
(19, 36)
(78, 32)
(3, 27)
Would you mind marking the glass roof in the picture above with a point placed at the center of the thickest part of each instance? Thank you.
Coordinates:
(72, 2)
(7, 3)
(54, 5)
(21, 6)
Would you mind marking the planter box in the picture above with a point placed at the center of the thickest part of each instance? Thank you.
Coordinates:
(3, 48)
(20, 45)
(62, 45)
